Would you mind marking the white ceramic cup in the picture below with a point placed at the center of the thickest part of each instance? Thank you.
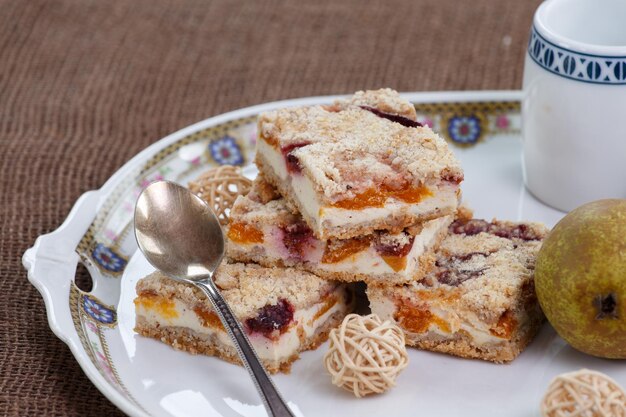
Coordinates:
(574, 102)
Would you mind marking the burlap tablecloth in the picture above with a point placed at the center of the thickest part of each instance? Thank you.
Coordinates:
(86, 84)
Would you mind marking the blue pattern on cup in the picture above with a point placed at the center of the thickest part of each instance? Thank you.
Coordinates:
(576, 65)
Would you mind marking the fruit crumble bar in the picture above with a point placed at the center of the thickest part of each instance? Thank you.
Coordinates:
(479, 301)
(283, 311)
(262, 229)
(360, 165)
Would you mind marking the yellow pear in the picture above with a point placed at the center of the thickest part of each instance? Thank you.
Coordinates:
(580, 278)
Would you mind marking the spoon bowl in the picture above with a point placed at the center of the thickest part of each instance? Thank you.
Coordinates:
(178, 232)
(180, 235)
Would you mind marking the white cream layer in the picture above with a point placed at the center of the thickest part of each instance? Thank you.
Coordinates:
(385, 308)
(368, 261)
(287, 345)
(444, 198)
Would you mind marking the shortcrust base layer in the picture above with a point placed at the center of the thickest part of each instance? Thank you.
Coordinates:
(188, 340)
(461, 345)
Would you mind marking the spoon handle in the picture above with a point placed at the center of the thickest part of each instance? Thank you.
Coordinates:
(274, 403)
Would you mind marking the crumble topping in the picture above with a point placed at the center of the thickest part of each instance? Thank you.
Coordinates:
(484, 272)
(263, 205)
(262, 191)
(523, 231)
(349, 150)
(247, 287)
(394, 245)
(455, 270)
(382, 154)
(400, 239)
(384, 99)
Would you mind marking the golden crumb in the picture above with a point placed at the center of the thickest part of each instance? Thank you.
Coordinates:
(385, 99)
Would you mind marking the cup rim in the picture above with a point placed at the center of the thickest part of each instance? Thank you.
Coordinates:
(568, 43)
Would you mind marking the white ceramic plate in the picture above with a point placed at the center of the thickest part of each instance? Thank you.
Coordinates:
(145, 377)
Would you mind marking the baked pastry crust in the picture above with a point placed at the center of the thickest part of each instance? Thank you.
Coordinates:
(393, 222)
(479, 300)
(348, 151)
(425, 262)
(384, 99)
(188, 340)
(181, 316)
(266, 213)
(246, 287)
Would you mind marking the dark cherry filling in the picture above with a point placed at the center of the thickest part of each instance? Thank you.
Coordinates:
(455, 278)
(469, 227)
(296, 237)
(272, 318)
(521, 231)
(451, 271)
(395, 249)
(406, 122)
(475, 226)
(293, 164)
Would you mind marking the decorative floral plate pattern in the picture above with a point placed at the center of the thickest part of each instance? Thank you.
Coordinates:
(129, 370)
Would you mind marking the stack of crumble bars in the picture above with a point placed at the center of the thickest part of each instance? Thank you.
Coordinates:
(360, 191)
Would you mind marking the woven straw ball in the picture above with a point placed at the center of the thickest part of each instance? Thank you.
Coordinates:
(366, 354)
(220, 187)
(584, 393)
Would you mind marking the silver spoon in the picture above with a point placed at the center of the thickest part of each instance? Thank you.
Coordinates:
(180, 236)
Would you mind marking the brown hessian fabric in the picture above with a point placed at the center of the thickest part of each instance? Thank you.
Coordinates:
(86, 84)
